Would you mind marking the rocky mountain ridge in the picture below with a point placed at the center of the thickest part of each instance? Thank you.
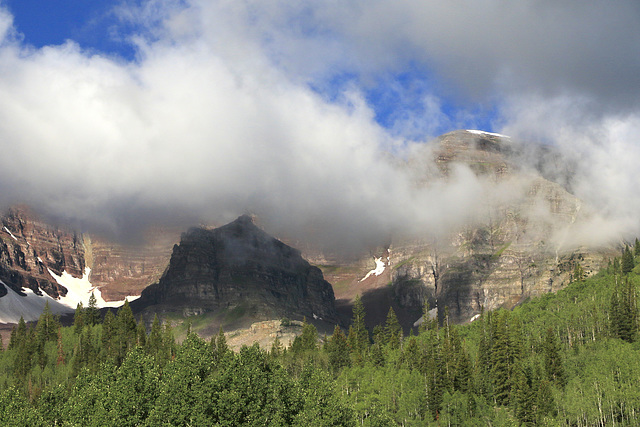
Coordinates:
(520, 245)
(241, 273)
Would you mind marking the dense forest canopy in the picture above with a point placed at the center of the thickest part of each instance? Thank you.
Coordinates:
(570, 358)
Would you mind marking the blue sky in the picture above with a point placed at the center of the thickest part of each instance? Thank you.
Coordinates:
(120, 112)
(100, 28)
(52, 23)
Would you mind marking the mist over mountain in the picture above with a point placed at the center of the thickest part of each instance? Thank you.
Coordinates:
(224, 112)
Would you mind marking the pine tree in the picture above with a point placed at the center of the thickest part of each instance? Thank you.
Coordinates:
(627, 261)
(337, 350)
(358, 333)
(154, 340)
(525, 394)
(141, 333)
(222, 349)
(126, 330)
(78, 319)
(91, 313)
(393, 330)
(552, 359)
(109, 335)
(623, 312)
(276, 348)
(309, 336)
(501, 361)
(636, 248)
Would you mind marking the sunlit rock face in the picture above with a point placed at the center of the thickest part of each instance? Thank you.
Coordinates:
(29, 247)
(239, 265)
(42, 262)
(523, 240)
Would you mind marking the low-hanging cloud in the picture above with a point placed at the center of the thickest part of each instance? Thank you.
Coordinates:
(202, 134)
(216, 116)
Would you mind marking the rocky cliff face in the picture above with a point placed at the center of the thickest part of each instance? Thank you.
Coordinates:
(241, 271)
(37, 256)
(29, 247)
(122, 270)
(518, 247)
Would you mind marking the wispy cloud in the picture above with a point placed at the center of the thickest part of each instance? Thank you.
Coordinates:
(223, 111)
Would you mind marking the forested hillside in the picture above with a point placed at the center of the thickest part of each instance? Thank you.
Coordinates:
(570, 358)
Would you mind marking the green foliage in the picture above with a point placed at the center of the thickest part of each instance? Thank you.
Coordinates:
(627, 262)
(569, 358)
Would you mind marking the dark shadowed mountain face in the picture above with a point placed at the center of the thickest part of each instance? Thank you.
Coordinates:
(239, 271)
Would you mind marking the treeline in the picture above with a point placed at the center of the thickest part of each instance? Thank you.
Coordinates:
(570, 358)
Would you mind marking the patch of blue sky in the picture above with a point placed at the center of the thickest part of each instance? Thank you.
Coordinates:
(411, 103)
(93, 25)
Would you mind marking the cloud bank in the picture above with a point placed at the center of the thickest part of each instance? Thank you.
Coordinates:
(234, 107)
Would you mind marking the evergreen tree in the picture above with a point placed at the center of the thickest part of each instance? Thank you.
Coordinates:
(552, 359)
(154, 340)
(627, 263)
(126, 332)
(109, 335)
(358, 333)
(91, 313)
(337, 350)
(222, 349)
(636, 248)
(501, 359)
(276, 348)
(141, 333)
(623, 312)
(18, 334)
(309, 336)
(393, 330)
(525, 395)
(78, 319)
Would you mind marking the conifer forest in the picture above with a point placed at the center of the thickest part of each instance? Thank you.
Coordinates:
(566, 359)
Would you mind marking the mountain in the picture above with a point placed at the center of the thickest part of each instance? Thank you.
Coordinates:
(41, 262)
(235, 275)
(525, 241)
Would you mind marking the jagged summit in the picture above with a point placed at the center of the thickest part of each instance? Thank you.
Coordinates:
(238, 270)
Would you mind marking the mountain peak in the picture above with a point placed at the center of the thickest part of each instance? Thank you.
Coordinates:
(238, 266)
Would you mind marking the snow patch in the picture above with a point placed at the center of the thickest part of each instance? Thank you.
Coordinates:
(10, 233)
(80, 289)
(30, 307)
(481, 132)
(380, 267)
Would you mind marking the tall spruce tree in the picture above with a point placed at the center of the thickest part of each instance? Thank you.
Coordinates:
(358, 333)
(337, 350)
(392, 330)
(552, 358)
(627, 261)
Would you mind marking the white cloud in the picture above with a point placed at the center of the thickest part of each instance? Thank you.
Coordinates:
(216, 116)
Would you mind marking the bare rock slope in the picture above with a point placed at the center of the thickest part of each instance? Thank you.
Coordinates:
(242, 273)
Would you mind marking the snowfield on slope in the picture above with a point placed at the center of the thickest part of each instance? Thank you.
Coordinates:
(30, 307)
(80, 289)
(380, 266)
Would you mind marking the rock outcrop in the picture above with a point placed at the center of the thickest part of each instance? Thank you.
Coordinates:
(30, 247)
(242, 272)
(521, 245)
(39, 257)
